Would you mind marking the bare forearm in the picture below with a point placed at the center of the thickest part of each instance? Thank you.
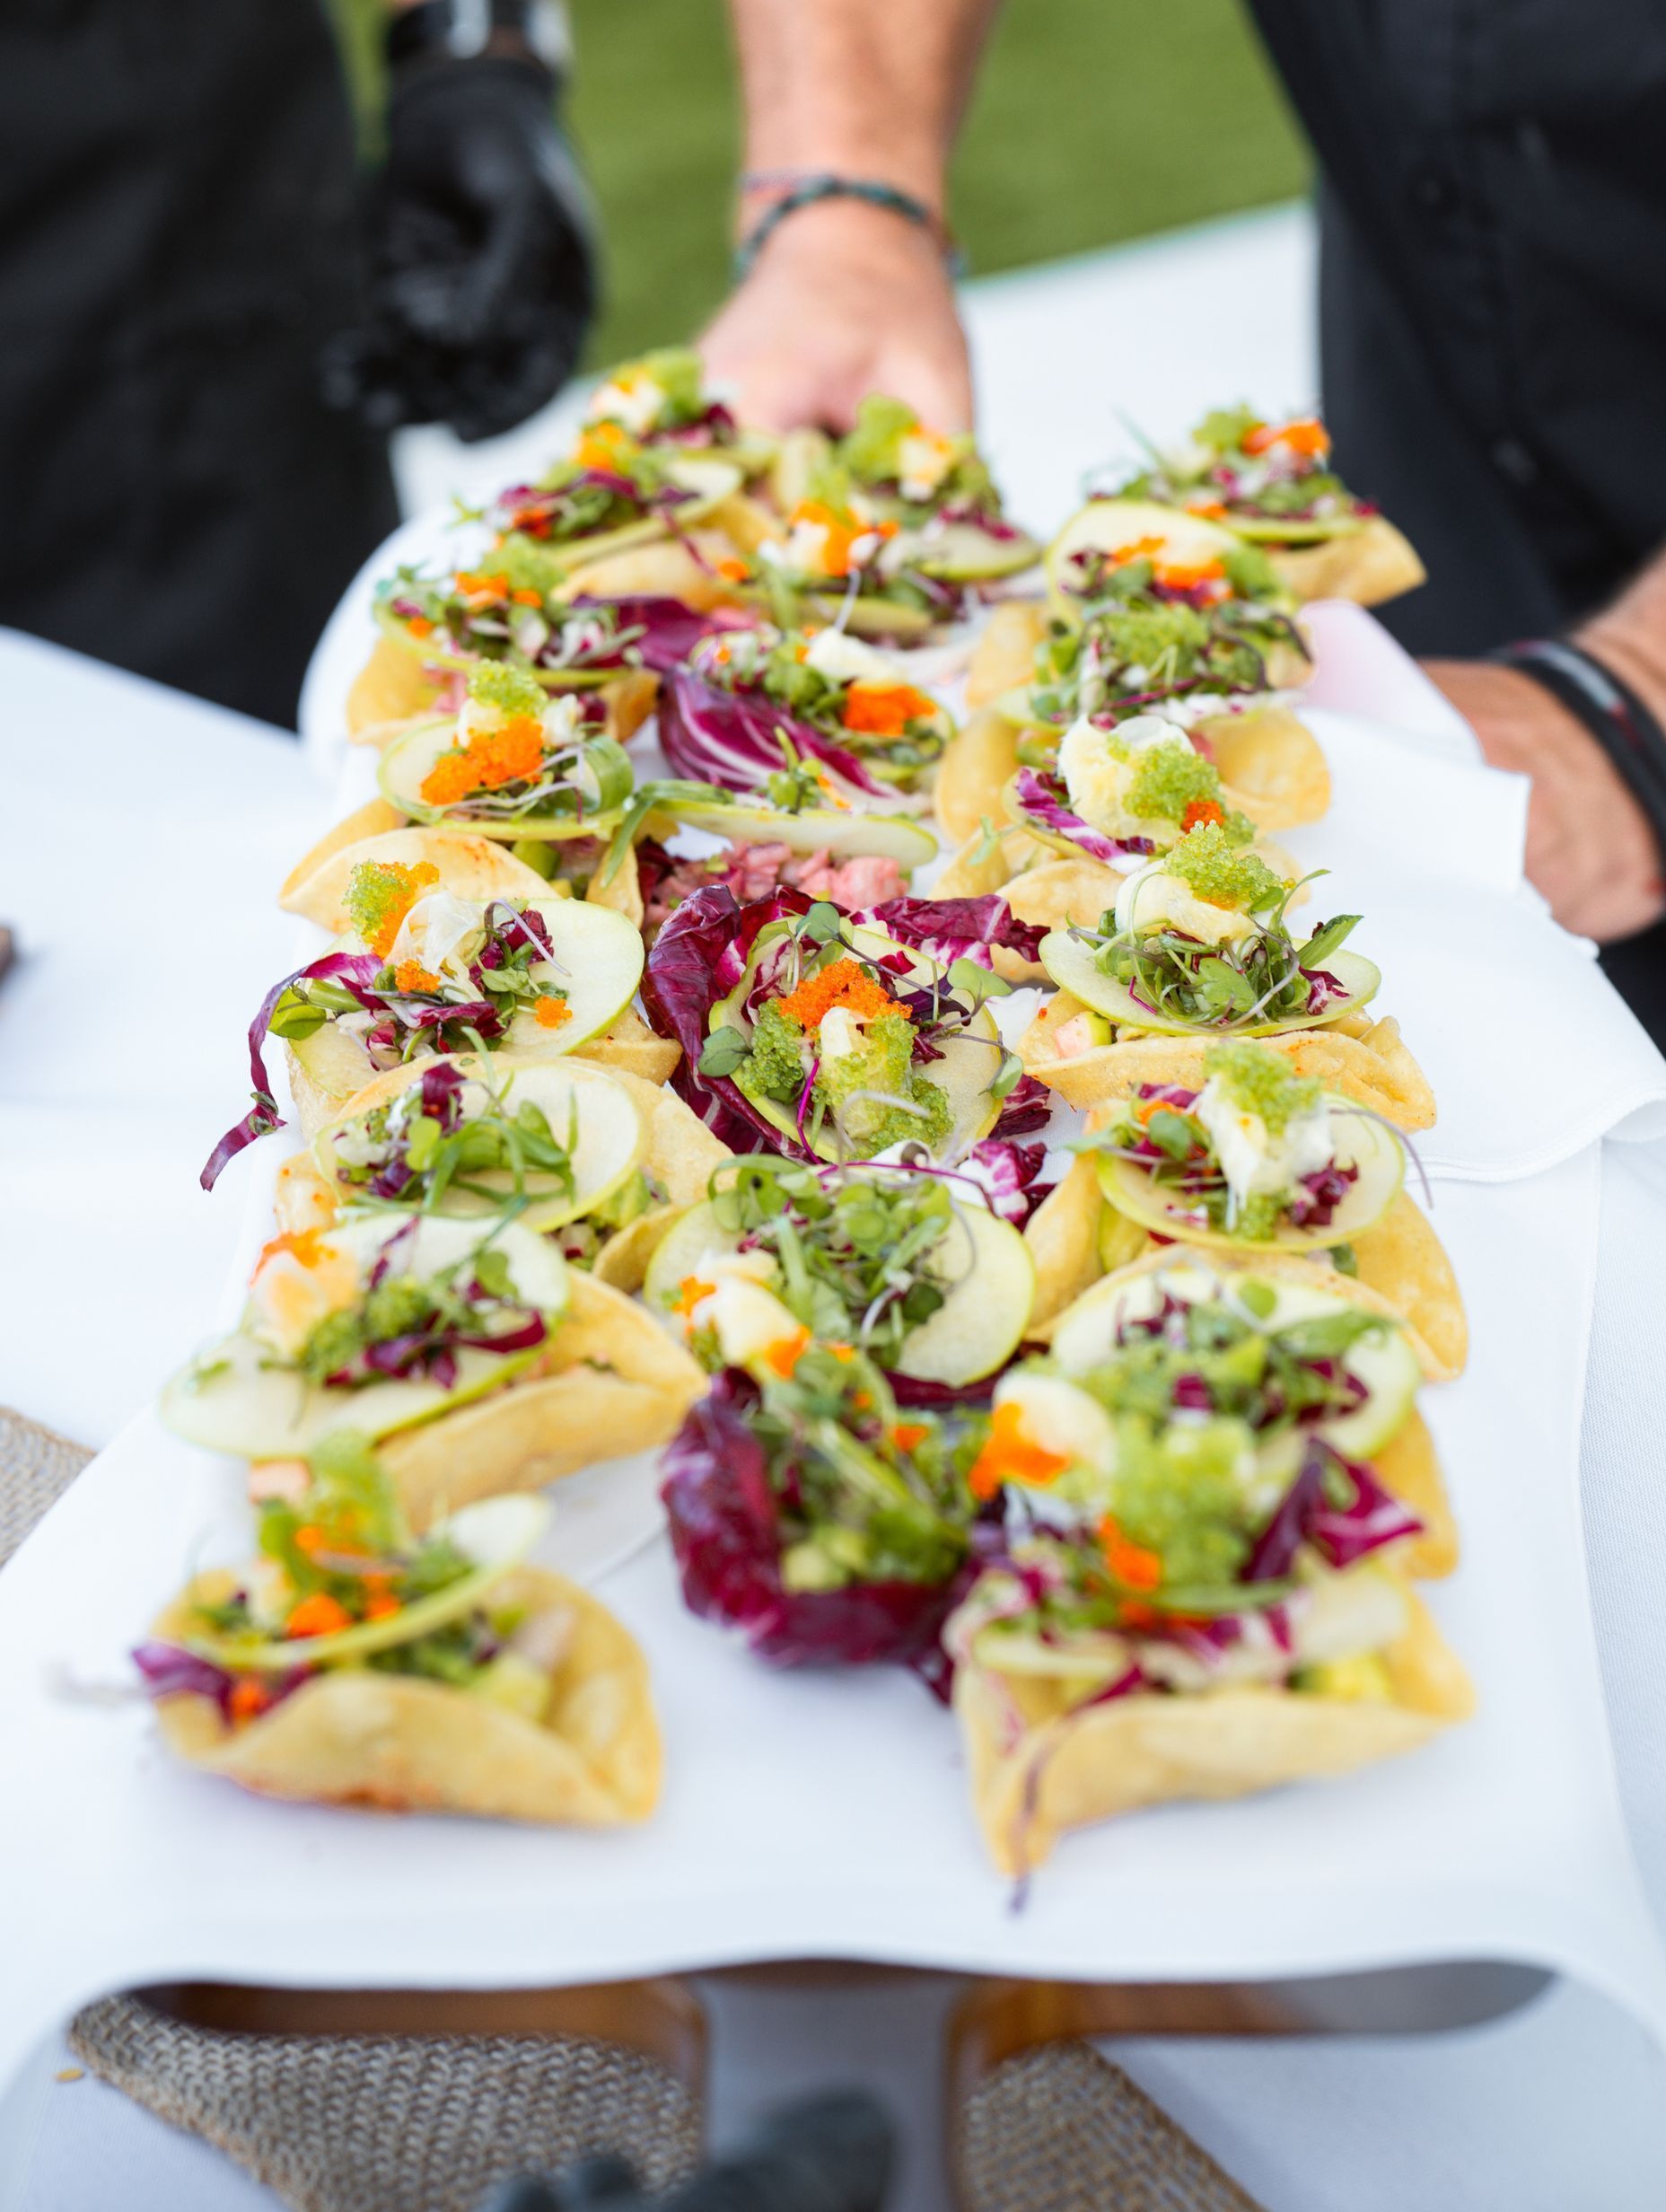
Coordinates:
(1590, 848)
(873, 88)
(845, 298)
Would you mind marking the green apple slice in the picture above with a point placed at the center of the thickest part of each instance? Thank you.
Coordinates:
(977, 1327)
(983, 1258)
(1071, 966)
(846, 833)
(1360, 1143)
(1384, 1360)
(1271, 530)
(237, 1399)
(962, 553)
(395, 625)
(498, 1534)
(407, 762)
(710, 481)
(598, 959)
(609, 1138)
(870, 618)
(597, 962)
(1113, 526)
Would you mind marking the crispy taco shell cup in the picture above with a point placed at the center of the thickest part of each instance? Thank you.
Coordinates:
(611, 1383)
(1312, 1267)
(1362, 1057)
(392, 687)
(1271, 765)
(977, 763)
(630, 1047)
(1058, 1772)
(359, 1736)
(1063, 1237)
(1369, 564)
(1004, 657)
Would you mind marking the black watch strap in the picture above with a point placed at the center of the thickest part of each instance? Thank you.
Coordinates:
(463, 30)
(1625, 729)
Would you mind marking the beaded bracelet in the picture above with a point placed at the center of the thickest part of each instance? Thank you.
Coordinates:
(1627, 732)
(799, 190)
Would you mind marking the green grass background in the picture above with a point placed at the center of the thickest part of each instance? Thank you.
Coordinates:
(1095, 120)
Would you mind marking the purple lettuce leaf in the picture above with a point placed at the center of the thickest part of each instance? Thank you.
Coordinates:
(712, 736)
(359, 969)
(1040, 798)
(1341, 1534)
(950, 929)
(669, 631)
(725, 1536)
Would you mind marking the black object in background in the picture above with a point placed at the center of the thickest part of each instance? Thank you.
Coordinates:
(482, 246)
(1493, 307)
(825, 2154)
(180, 241)
(182, 251)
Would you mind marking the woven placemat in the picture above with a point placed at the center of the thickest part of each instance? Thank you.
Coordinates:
(395, 2123)
(364, 2123)
(37, 1466)
(1061, 2130)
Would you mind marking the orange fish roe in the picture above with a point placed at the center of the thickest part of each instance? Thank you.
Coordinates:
(886, 709)
(843, 1353)
(906, 1434)
(1210, 509)
(551, 1011)
(732, 569)
(483, 587)
(318, 1615)
(380, 1605)
(844, 984)
(784, 1354)
(1306, 435)
(602, 445)
(511, 753)
(1130, 1563)
(380, 893)
(841, 533)
(1188, 576)
(1008, 1456)
(1202, 809)
(690, 1290)
(302, 1243)
(410, 975)
(1137, 550)
(248, 1699)
(419, 625)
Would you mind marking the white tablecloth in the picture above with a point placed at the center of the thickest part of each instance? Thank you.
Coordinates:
(120, 1059)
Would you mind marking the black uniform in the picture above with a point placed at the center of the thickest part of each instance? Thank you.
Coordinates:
(177, 246)
(1493, 304)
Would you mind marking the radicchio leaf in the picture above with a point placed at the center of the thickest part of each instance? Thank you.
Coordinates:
(669, 631)
(726, 1538)
(712, 736)
(1341, 1534)
(1041, 799)
(358, 970)
(950, 929)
